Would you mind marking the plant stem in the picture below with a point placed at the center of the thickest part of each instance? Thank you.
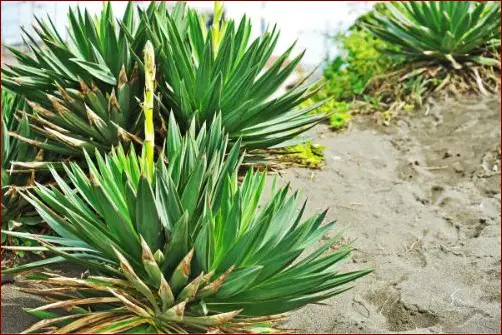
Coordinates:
(217, 29)
(149, 60)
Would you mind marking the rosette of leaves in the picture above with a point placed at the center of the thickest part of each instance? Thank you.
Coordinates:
(188, 250)
(82, 90)
(453, 32)
(205, 71)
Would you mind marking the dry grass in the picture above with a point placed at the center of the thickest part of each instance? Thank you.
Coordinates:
(412, 86)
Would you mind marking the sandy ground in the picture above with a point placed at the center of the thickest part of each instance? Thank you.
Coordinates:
(422, 200)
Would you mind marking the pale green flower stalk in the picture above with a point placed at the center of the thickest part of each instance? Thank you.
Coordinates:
(217, 30)
(149, 60)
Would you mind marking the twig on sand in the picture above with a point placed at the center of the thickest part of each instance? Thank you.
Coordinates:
(479, 81)
(350, 206)
(437, 167)
(411, 247)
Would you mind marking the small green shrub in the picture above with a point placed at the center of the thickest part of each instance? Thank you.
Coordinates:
(189, 250)
(339, 114)
(347, 75)
(308, 154)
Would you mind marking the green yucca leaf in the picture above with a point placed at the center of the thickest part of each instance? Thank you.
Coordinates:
(452, 32)
(166, 294)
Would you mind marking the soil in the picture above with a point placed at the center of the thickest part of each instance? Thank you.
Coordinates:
(421, 200)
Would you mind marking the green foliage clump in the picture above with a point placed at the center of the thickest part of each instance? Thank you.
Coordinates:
(340, 116)
(306, 154)
(338, 112)
(347, 75)
(445, 31)
(361, 59)
(190, 250)
(399, 53)
(85, 89)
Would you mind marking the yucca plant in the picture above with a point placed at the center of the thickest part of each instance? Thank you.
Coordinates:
(203, 72)
(83, 90)
(447, 31)
(16, 210)
(182, 247)
(189, 250)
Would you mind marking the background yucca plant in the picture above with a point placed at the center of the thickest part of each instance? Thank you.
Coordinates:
(203, 72)
(449, 31)
(15, 209)
(83, 91)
